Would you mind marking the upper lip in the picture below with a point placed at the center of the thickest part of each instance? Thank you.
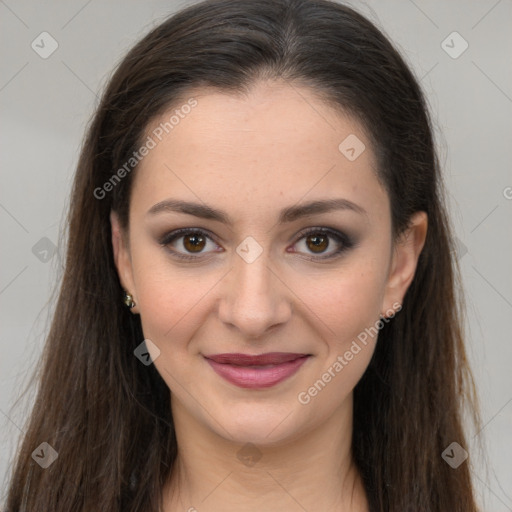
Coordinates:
(249, 360)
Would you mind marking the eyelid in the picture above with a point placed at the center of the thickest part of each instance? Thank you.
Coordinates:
(346, 241)
(171, 236)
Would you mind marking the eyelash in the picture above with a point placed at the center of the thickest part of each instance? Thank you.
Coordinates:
(342, 239)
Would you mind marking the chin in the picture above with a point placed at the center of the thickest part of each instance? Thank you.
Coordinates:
(262, 424)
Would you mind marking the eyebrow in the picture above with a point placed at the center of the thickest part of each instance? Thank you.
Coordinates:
(288, 214)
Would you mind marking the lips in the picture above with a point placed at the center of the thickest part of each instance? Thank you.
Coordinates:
(258, 371)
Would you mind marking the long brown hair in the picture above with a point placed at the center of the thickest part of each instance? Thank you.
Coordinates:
(107, 415)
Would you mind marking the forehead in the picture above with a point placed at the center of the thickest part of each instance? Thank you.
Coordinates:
(273, 114)
(278, 141)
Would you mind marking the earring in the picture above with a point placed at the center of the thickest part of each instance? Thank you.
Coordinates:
(128, 300)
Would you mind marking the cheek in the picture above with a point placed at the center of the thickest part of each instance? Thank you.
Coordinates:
(169, 300)
(351, 299)
(348, 317)
(172, 309)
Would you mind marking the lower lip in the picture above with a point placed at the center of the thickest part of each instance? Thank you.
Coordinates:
(247, 377)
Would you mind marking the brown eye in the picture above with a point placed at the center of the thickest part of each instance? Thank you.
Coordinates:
(317, 243)
(188, 244)
(194, 242)
(323, 242)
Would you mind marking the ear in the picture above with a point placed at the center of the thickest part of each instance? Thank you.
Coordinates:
(122, 257)
(404, 262)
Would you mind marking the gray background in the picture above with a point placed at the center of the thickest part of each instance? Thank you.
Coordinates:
(46, 104)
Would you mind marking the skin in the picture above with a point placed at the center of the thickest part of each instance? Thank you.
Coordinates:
(251, 157)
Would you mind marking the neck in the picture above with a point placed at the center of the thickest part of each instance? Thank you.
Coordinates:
(314, 471)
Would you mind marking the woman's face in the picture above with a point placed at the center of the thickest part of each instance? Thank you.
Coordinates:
(286, 248)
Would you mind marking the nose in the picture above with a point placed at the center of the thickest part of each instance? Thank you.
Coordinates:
(255, 297)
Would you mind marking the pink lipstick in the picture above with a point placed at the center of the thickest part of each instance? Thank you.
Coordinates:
(261, 371)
